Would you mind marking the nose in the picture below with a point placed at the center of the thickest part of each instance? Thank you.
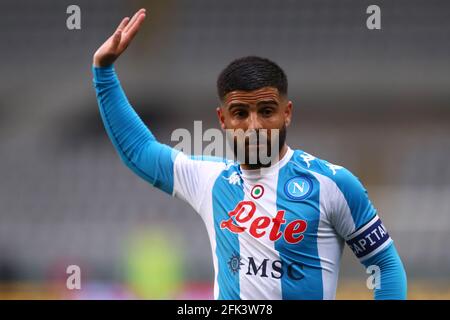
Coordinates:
(253, 122)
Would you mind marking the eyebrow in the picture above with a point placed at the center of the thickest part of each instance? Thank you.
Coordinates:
(246, 105)
(270, 101)
(237, 105)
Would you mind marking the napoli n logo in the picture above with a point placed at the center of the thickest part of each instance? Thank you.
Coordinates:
(298, 188)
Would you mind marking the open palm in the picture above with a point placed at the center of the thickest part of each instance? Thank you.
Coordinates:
(113, 47)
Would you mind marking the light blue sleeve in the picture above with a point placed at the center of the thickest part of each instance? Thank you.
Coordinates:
(393, 283)
(136, 145)
(357, 221)
(369, 239)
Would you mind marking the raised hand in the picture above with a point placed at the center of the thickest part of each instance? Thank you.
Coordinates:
(113, 47)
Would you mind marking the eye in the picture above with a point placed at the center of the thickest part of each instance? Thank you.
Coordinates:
(240, 113)
(267, 112)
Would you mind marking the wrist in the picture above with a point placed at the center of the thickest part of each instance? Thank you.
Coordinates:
(96, 63)
(101, 63)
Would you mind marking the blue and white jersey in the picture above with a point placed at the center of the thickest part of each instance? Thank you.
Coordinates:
(275, 233)
(279, 232)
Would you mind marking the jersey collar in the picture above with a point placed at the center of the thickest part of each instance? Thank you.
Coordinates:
(273, 169)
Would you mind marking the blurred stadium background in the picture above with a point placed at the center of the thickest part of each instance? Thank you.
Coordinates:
(377, 102)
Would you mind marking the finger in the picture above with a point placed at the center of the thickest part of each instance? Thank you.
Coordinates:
(128, 36)
(116, 38)
(134, 19)
(123, 23)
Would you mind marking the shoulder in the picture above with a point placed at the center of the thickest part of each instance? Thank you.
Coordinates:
(343, 178)
(183, 157)
(203, 165)
(341, 189)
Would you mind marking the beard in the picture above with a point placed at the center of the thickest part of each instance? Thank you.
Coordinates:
(257, 148)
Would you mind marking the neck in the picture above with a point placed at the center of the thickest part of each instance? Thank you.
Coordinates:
(281, 154)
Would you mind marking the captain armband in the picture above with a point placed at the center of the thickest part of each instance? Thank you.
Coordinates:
(370, 239)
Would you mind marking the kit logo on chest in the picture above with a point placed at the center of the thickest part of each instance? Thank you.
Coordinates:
(298, 188)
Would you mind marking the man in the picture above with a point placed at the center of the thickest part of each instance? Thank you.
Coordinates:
(277, 229)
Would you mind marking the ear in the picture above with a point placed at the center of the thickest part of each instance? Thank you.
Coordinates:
(221, 117)
(288, 113)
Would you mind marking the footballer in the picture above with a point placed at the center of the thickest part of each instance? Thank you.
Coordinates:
(277, 230)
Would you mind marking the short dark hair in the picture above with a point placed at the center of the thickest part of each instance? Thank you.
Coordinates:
(251, 73)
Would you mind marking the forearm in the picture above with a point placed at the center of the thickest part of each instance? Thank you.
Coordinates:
(134, 142)
(393, 282)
